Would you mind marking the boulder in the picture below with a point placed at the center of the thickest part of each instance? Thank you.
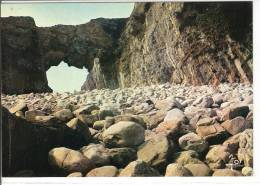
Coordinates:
(124, 134)
(104, 171)
(153, 120)
(167, 104)
(120, 157)
(81, 128)
(235, 125)
(67, 161)
(207, 102)
(138, 168)
(227, 172)
(155, 152)
(199, 169)
(235, 111)
(129, 117)
(85, 110)
(218, 157)
(96, 153)
(205, 121)
(177, 170)
(187, 157)
(63, 115)
(192, 141)
(214, 134)
(88, 119)
(172, 124)
(99, 125)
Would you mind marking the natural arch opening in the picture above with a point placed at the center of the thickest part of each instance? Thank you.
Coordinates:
(64, 78)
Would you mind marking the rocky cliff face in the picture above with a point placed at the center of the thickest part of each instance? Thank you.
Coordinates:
(194, 43)
(187, 43)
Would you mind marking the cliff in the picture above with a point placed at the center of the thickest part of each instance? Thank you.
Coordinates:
(182, 43)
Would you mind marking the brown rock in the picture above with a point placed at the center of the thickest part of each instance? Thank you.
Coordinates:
(177, 170)
(235, 125)
(199, 169)
(104, 171)
(31, 115)
(155, 152)
(68, 161)
(138, 169)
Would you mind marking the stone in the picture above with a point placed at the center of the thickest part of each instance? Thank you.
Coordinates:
(68, 161)
(120, 157)
(235, 111)
(218, 156)
(20, 106)
(205, 121)
(64, 115)
(175, 116)
(31, 115)
(85, 110)
(167, 104)
(75, 174)
(186, 157)
(155, 152)
(207, 102)
(133, 118)
(138, 168)
(172, 124)
(232, 143)
(192, 141)
(245, 151)
(177, 170)
(81, 128)
(88, 119)
(124, 134)
(235, 125)
(227, 172)
(247, 171)
(154, 119)
(103, 113)
(198, 170)
(96, 153)
(99, 125)
(104, 171)
(214, 134)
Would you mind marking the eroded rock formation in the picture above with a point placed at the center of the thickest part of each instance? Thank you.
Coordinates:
(29, 51)
(190, 43)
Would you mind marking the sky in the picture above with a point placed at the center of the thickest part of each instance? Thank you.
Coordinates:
(62, 78)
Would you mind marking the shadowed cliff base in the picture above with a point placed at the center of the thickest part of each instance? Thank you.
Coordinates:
(181, 43)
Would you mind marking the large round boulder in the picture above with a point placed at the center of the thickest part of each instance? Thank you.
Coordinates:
(66, 161)
(124, 134)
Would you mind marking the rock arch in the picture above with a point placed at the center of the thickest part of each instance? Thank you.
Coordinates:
(29, 51)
